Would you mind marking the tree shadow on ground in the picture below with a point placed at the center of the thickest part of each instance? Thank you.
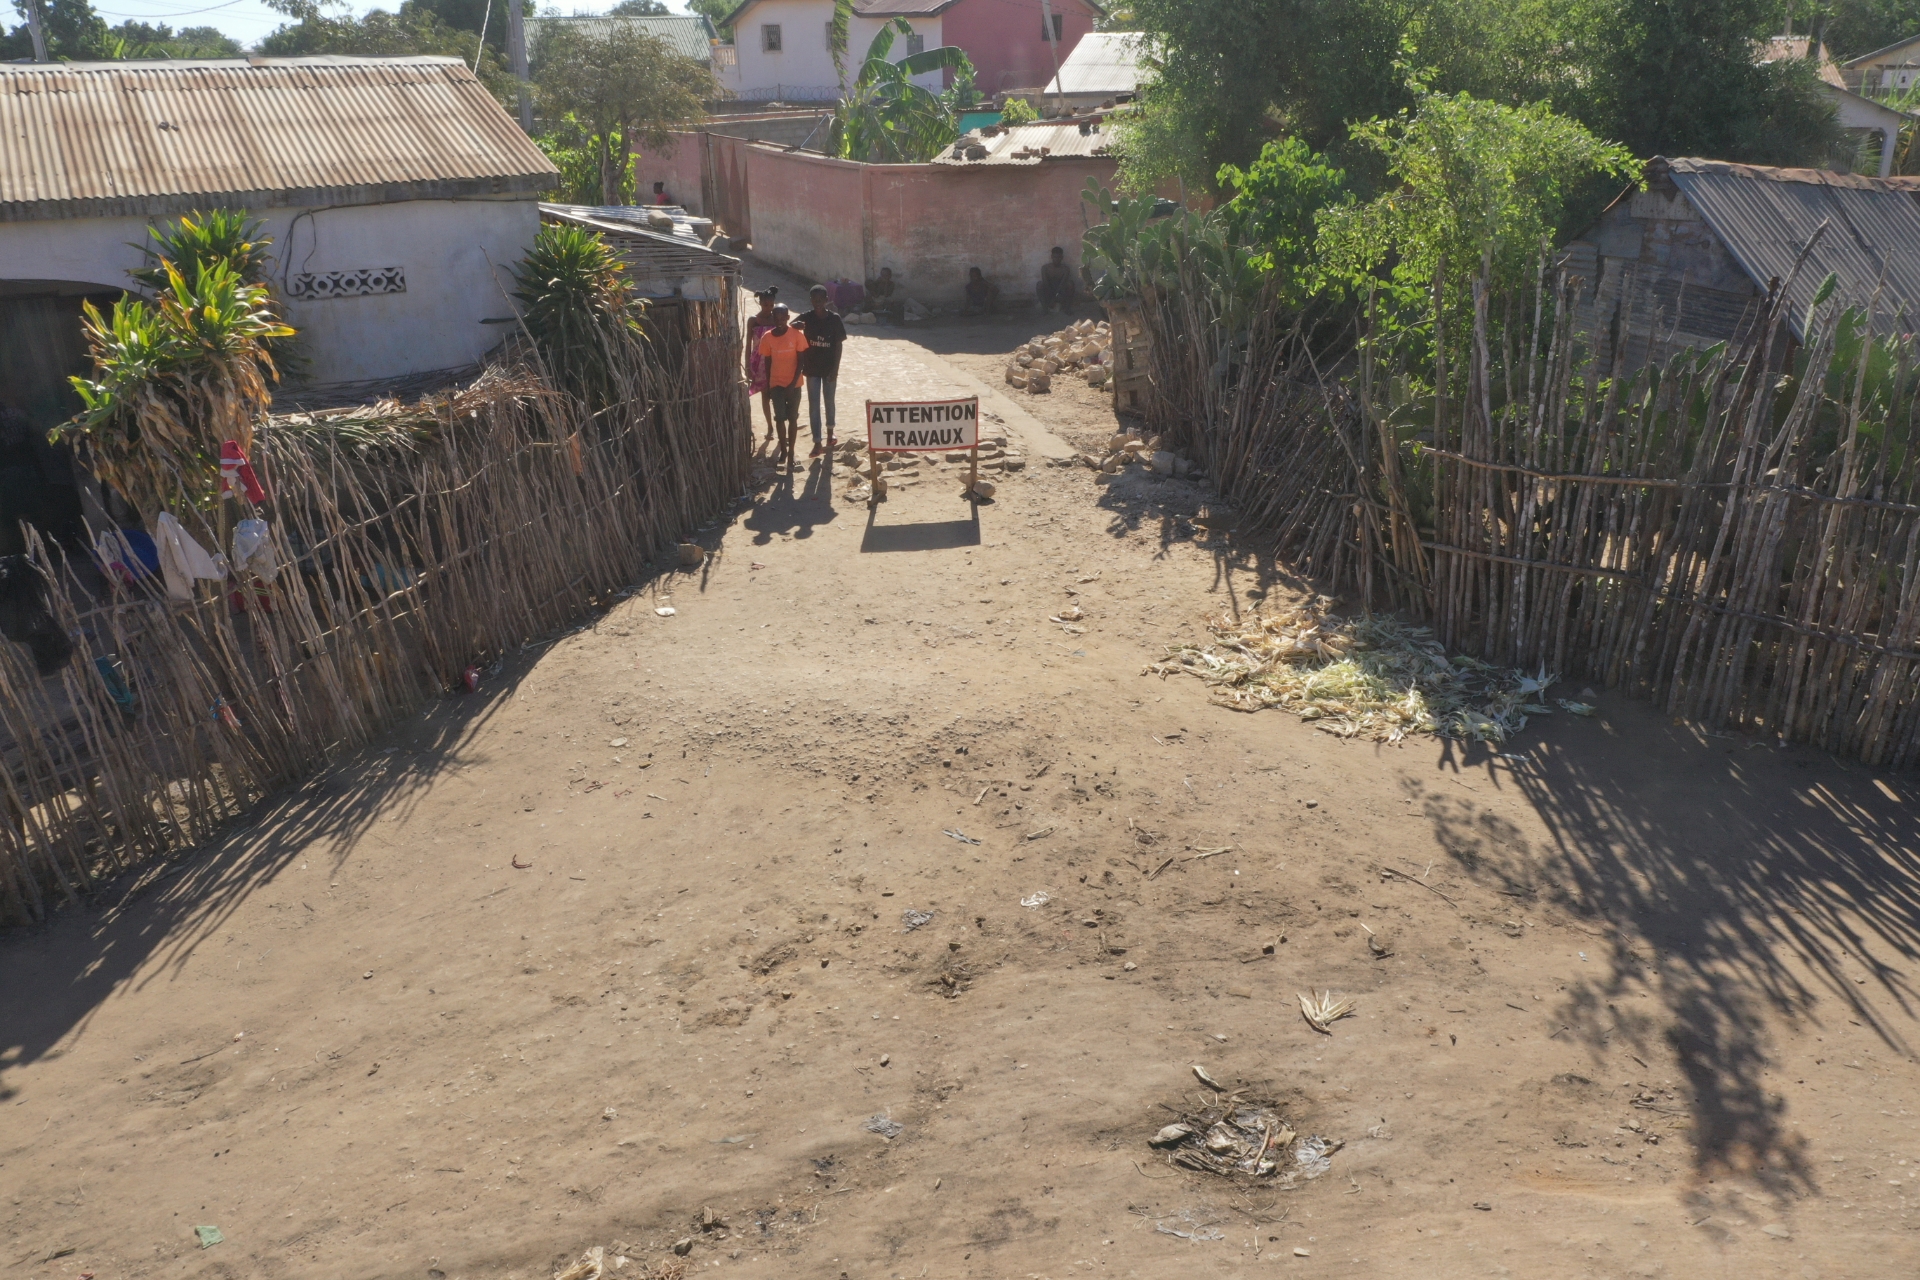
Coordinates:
(145, 926)
(1741, 885)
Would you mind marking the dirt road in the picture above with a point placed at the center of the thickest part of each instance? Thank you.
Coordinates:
(619, 952)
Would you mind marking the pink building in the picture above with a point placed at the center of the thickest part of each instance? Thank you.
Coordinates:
(781, 50)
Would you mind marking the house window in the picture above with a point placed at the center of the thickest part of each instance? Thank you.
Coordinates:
(829, 37)
(916, 44)
(1057, 21)
(770, 37)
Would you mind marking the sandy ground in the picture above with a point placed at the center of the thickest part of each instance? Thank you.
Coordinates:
(1647, 1012)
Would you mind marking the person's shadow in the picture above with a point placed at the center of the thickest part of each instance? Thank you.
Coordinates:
(783, 510)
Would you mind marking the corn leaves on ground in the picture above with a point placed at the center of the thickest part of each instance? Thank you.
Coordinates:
(1373, 677)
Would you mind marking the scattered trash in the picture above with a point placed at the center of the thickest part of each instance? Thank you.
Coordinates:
(886, 1059)
(1198, 1234)
(1211, 853)
(618, 742)
(208, 1236)
(883, 1126)
(591, 1265)
(733, 1140)
(683, 1246)
(1379, 948)
(1232, 1137)
(665, 611)
(470, 679)
(1312, 1156)
(961, 836)
(1575, 708)
(1036, 900)
(1200, 1074)
(1483, 1206)
(367, 974)
(1323, 1011)
(1042, 832)
(915, 919)
(1073, 613)
(1373, 677)
(1302, 1253)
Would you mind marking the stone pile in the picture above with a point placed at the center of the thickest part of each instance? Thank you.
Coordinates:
(906, 469)
(1126, 450)
(1084, 348)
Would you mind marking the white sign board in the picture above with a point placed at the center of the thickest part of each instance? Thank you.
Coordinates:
(921, 426)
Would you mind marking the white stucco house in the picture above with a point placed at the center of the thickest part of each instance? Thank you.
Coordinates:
(781, 51)
(396, 191)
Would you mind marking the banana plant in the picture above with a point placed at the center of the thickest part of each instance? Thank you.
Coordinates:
(883, 117)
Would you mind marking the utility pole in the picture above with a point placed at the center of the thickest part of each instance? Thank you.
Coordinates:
(39, 32)
(1053, 46)
(517, 51)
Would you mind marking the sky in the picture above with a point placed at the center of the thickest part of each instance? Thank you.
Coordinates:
(249, 20)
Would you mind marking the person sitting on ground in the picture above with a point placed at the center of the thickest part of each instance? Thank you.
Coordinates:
(884, 298)
(1056, 282)
(826, 334)
(783, 345)
(982, 296)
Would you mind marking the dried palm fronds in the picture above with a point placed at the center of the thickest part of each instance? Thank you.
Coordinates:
(1375, 677)
(1233, 1136)
(1322, 1011)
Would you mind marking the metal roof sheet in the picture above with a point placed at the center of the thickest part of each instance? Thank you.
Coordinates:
(688, 34)
(1768, 217)
(1104, 63)
(1029, 144)
(660, 265)
(98, 139)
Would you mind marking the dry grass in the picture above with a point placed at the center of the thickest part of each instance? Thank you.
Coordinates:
(1373, 677)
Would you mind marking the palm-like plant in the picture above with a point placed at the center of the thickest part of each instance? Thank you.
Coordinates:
(580, 310)
(218, 235)
(173, 379)
(883, 116)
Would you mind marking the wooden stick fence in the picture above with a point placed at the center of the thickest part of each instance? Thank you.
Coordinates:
(506, 513)
(1732, 533)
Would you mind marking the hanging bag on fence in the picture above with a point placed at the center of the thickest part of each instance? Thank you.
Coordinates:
(182, 559)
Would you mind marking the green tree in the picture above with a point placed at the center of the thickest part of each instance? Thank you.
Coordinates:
(75, 33)
(1475, 185)
(883, 116)
(622, 90)
(1854, 27)
(1276, 203)
(145, 40)
(639, 9)
(413, 31)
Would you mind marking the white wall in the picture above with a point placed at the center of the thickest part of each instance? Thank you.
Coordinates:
(442, 246)
(804, 61)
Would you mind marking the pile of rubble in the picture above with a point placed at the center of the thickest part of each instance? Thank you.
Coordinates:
(1084, 347)
(1125, 450)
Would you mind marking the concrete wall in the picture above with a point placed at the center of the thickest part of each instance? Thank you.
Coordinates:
(1003, 39)
(684, 169)
(823, 219)
(808, 213)
(442, 246)
(804, 63)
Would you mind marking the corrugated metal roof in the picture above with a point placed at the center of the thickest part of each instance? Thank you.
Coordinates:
(99, 139)
(688, 34)
(1026, 144)
(1767, 218)
(685, 225)
(1103, 63)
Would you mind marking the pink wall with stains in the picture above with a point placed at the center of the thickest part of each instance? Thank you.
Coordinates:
(1003, 39)
(833, 219)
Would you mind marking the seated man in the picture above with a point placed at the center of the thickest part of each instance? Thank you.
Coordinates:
(981, 296)
(1056, 282)
(884, 297)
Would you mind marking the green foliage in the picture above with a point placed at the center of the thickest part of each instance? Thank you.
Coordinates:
(1276, 201)
(1854, 27)
(883, 117)
(571, 147)
(201, 239)
(622, 90)
(638, 9)
(174, 378)
(580, 309)
(75, 33)
(1475, 187)
(1671, 76)
(414, 31)
(1018, 111)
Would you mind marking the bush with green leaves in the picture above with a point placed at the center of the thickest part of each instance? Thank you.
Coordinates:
(884, 117)
(172, 379)
(581, 311)
(1276, 203)
(200, 239)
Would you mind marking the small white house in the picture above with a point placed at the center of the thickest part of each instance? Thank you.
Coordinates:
(782, 48)
(396, 191)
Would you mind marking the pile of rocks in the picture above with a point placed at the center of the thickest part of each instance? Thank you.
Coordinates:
(1084, 347)
(906, 469)
(1126, 450)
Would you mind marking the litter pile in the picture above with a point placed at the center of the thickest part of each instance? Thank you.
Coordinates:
(1236, 1137)
(1375, 677)
(1082, 347)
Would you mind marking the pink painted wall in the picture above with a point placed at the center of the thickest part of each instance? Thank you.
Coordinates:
(680, 171)
(1002, 37)
(808, 213)
(824, 219)
(931, 222)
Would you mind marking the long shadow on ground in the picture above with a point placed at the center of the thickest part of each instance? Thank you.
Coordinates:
(1743, 884)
